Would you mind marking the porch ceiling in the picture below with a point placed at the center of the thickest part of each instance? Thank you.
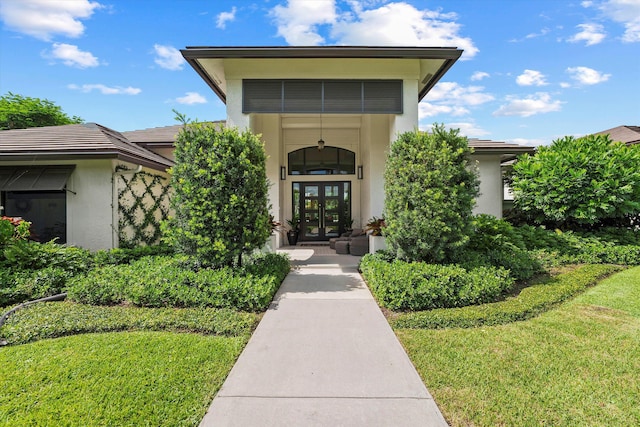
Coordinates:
(428, 64)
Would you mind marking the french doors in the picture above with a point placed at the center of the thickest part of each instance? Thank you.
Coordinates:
(324, 209)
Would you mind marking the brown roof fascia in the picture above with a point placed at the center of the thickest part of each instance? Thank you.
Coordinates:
(192, 53)
(85, 155)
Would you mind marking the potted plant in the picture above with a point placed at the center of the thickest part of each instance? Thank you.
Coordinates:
(294, 229)
(377, 241)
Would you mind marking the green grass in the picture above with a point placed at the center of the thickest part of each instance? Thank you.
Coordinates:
(114, 379)
(56, 319)
(578, 364)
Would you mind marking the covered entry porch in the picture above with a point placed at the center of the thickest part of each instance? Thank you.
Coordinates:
(327, 116)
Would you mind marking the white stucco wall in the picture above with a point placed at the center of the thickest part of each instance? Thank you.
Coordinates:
(269, 128)
(89, 211)
(491, 186)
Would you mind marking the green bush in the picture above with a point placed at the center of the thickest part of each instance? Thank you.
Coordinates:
(530, 302)
(430, 189)
(400, 285)
(118, 256)
(495, 242)
(554, 247)
(51, 320)
(578, 181)
(220, 194)
(163, 281)
(27, 255)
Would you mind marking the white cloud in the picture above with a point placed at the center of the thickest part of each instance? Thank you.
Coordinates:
(106, 90)
(401, 24)
(479, 75)
(468, 129)
(531, 78)
(72, 56)
(426, 109)
(542, 32)
(565, 85)
(224, 17)
(587, 76)
(192, 98)
(392, 24)
(168, 57)
(626, 12)
(298, 21)
(591, 34)
(538, 103)
(450, 98)
(44, 18)
(452, 93)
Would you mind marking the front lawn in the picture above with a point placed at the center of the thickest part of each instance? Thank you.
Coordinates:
(123, 379)
(576, 365)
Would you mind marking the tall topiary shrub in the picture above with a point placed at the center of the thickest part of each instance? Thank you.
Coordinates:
(430, 187)
(578, 182)
(220, 200)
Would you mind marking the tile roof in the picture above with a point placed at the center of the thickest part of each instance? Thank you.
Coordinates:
(88, 140)
(627, 134)
(156, 137)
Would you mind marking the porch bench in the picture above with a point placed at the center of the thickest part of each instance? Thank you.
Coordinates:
(345, 237)
(342, 247)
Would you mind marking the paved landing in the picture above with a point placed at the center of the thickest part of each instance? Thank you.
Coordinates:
(323, 355)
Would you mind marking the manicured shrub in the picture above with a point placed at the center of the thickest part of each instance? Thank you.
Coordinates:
(400, 285)
(555, 247)
(530, 302)
(430, 189)
(125, 255)
(27, 255)
(578, 181)
(220, 198)
(51, 320)
(163, 281)
(494, 242)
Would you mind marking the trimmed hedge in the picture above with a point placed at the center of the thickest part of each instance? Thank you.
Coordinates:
(399, 285)
(555, 247)
(56, 319)
(530, 302)
(163, 281)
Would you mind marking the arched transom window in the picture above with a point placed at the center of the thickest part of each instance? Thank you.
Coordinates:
(328, 161)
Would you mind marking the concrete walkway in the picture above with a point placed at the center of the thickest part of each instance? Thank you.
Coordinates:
(323, 355)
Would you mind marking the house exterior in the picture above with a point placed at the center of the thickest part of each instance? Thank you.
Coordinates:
(630, 135)
(83, 184)
(327, 116)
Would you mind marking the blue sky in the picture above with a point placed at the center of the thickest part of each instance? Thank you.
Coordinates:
(532, 71)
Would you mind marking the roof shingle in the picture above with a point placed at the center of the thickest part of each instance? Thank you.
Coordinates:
(88, 140)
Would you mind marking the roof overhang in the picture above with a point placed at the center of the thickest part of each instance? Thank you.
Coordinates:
(85, 155)
(210, 62)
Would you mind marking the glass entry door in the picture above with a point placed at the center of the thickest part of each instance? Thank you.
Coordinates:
(324, 209)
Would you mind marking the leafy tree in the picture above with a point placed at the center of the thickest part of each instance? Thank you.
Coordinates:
(21, 112)
(220, 199)
(578, 182)
(430, 190)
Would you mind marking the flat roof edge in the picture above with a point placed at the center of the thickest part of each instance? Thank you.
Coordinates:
(201, 52)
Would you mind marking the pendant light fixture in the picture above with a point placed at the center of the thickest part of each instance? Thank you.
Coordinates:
(320, 141)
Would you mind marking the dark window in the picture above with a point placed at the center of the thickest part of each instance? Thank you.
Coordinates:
(46, 210)
(262, 96)
(328, 161)
(342, 97)
(322, 96)
(302, 96)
